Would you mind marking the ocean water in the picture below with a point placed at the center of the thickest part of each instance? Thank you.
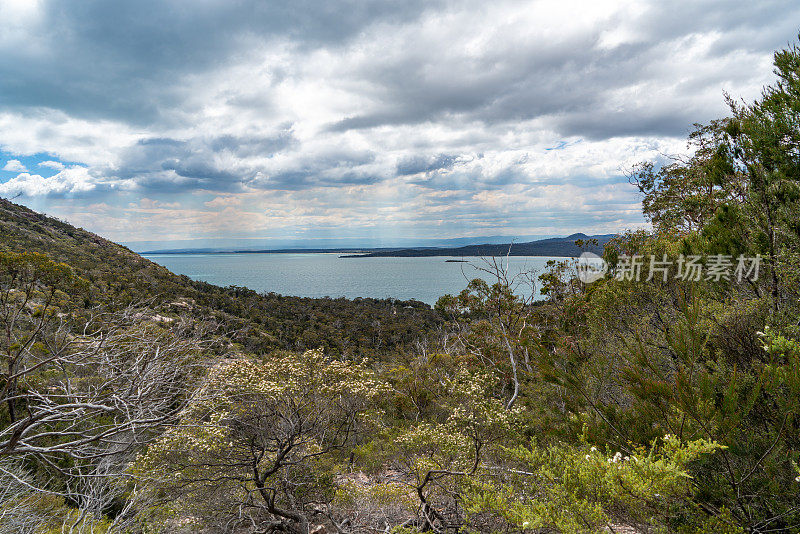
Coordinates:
(328, 275)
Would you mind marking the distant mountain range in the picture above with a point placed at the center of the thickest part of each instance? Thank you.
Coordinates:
(555, 246)
(345, 243)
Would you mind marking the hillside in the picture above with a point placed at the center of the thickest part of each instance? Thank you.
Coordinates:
(260, 322)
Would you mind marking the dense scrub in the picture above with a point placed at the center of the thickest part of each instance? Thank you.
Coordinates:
(134, 400)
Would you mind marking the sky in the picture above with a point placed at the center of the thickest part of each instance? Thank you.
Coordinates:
(166, 121)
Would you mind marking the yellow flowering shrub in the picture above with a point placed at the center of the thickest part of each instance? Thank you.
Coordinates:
(261, 437)
(578, 490)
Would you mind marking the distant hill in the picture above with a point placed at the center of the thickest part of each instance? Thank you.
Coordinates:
(344, 244)
(554, 246)
(557, 246)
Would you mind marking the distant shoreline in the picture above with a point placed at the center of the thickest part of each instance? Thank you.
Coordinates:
(347, 254)
(267, 251)
(563, 247)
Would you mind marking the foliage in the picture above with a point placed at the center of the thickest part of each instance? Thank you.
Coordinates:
(686, 194)
(257, 440)
(578, 489)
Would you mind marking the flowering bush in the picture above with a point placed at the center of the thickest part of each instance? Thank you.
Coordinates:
(577, 490)
(258, 443)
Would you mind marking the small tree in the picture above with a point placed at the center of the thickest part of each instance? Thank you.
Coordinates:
(81, 384)
(494, 322)
(257, 444)
(684, 195)
(80, 390)
(436, 457)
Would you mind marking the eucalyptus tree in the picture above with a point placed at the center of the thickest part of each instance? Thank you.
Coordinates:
(82, 389)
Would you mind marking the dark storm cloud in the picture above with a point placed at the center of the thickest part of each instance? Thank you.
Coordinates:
(167, 165)
(333, 169)
(572, 81)
(417, 164)
(242, 146)
(126, 60)
(604, 123)
(310, 177)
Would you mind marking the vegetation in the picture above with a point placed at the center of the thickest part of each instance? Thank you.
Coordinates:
(133, 400)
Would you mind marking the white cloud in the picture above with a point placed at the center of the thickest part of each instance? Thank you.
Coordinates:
(223, 202)
(91, 142)
(150, 204)
(57, 165)
(14, 165)
(70, 181)
(19, 19)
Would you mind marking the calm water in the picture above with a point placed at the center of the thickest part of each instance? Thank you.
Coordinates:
(321, 275)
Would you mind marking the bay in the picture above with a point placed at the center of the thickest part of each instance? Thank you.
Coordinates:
(327, 275)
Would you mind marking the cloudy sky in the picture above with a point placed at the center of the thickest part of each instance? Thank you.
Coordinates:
(165, 120)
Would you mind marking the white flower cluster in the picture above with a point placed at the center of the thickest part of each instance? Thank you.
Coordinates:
(619, 458)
